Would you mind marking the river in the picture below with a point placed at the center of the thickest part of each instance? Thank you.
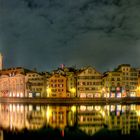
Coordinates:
(34, 121)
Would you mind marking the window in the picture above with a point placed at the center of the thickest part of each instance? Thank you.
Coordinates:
(84, 119)
(89, 71)
(118, 79)
(54, 90)
(60, 80)
(60, 85)
(83, 83)
(112, 79)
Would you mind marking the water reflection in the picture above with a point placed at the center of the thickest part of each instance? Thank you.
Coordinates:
(90, 119)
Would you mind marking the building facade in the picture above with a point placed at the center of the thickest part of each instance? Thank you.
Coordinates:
(111, 81)
(129, 79)
(35, 84)
(122, 82)
(13, 82)
(89, 83)
(56, 86)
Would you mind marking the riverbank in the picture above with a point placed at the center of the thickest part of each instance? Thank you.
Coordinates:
(126, 100)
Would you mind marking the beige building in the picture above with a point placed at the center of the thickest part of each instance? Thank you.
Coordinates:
(89, 83)
(13, 82)
(124, 77)
(110, 80)
(71, 81)
(35, 84)
(129, 79)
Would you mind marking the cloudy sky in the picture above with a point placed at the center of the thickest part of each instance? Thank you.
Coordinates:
(43, 34)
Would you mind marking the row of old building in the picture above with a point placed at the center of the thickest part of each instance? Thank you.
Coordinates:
(64, 82)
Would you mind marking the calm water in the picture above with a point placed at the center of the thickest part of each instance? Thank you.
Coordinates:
(60, 122)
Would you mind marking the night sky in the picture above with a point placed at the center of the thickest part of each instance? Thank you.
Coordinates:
(43, 34)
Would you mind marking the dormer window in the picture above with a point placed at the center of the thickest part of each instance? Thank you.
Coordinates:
(89, 71)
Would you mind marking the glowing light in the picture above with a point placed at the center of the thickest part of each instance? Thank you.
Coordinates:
(112, 107)
(48, 113)
(21, 94)
(17, 94)
(97, 108)
(107, 107)
(73, 108)
(14, 108)
(17, 107)
(38, 108)
(90, 95)
(103, 113)
(82, 108)
(82, 95)
(81, 118)
(90, 108)
(133, 107)
(48, 91)
(97, 95)
(103, 89)
(10, 107)
(119, 107)
(30, 107)
(21, 108)
(73, 90)
(10, 94)
(138, 88)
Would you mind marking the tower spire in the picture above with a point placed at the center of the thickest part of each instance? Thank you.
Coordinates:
(1, 57)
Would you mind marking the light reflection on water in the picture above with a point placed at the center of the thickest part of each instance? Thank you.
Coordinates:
(89, 119)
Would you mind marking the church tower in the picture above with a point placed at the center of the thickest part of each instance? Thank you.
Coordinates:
(1, 57)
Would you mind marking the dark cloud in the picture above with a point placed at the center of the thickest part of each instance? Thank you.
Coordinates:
(45, 33)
